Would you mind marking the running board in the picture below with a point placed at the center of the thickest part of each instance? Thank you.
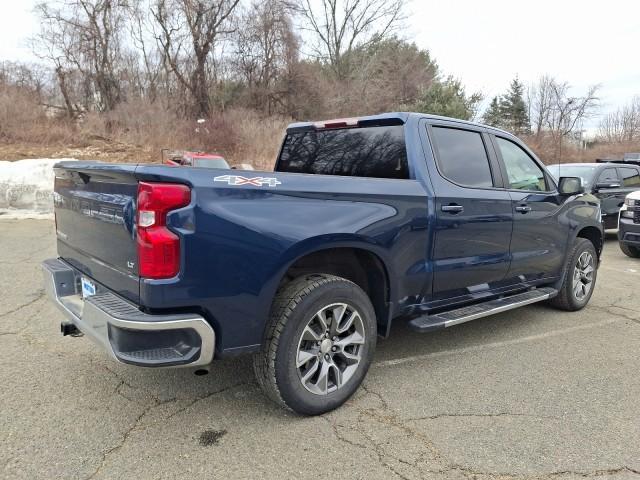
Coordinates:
(429, 323)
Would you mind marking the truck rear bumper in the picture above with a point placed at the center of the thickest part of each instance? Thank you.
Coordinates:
(128, 334)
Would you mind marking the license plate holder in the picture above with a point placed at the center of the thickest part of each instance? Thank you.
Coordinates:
(88, 287)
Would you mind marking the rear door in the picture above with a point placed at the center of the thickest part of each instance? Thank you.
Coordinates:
(539, 239)
(95, 223)
(474, 215)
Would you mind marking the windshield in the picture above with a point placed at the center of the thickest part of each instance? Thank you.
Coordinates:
(584, 172)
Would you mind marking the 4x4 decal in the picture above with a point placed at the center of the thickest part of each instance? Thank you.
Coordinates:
(236, 180)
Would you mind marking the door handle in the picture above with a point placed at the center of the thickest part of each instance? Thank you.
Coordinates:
(523, 209)
(452, 208)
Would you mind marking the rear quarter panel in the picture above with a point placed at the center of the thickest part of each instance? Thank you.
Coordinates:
(238, 241)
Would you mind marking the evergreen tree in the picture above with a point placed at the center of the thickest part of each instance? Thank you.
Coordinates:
(449, 99)
(493, 115)
(509, 111)
(514, 109)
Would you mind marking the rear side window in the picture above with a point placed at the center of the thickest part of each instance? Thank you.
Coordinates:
(358, 152)
(630, 177)
(462, 157)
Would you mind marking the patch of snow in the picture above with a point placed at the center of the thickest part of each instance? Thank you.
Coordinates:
(26, 188)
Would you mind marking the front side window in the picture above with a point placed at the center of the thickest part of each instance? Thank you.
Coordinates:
(462, 157)
(630, 177)
(378, 152)
(523, 173)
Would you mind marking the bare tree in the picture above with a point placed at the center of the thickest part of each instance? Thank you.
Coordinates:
(339, 26)
(85, 35)
(264, 47)
(555, 113)
(623, 125)
(568, 112)
(188, 32)
(540, 103)
(147, 59)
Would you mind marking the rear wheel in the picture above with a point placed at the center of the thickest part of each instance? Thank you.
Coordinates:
(580, 277)
(630, 251)
(319, 345)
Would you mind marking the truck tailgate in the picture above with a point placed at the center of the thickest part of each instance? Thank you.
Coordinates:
(95, 223)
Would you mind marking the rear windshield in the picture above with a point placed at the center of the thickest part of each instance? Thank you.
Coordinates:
(358, 152)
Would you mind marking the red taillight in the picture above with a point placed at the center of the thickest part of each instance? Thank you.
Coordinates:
(159, 247)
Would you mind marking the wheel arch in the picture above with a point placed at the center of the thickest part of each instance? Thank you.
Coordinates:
(594, 235)
(355, 262)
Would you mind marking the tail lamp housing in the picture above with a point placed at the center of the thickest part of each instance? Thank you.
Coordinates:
(159, 247)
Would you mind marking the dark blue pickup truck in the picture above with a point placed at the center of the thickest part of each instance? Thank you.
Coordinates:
(364, 222)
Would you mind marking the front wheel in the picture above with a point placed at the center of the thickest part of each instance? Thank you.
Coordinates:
(629, 251)
(580, 277)
(319, 344)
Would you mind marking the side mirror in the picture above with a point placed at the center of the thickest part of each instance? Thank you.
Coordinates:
(605, 185)
(570, 186)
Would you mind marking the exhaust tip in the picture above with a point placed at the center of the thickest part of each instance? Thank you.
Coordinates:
(201, 372)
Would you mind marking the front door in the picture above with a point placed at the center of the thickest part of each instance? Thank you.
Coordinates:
(474, 216)
(539, 240)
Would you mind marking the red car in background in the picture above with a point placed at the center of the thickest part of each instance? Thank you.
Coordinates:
(196, 159)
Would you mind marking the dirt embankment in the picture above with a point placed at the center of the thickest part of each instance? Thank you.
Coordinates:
(96, 148)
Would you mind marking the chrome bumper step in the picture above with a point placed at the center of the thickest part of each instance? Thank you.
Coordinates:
(437, 321)
(128, 334)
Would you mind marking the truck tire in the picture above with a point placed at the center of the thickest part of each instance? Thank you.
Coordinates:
(580, 277)
(319, 344)
(630, 251)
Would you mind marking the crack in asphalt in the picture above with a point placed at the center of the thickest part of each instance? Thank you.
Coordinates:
(205, 397)
(594, 473)
(386, 417)
(609, 309)
(40, 293)
(125, 437)
(390, 417)
(28, 258)
(480, 415)
(376, 451)
(136, 424)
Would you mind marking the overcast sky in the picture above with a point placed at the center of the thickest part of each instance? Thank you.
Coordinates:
(486, 43)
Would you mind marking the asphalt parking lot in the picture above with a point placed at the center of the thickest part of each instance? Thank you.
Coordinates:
(526, 394)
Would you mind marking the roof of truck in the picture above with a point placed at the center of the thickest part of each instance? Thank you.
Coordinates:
(390, 118)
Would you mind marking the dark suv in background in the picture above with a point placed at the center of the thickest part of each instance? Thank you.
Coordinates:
(609, 180)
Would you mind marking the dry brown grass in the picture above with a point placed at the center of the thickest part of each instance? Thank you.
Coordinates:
(135, 132)
(22, 119)
(572, 153)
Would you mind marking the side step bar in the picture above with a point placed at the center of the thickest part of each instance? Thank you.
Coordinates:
(429, 323)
